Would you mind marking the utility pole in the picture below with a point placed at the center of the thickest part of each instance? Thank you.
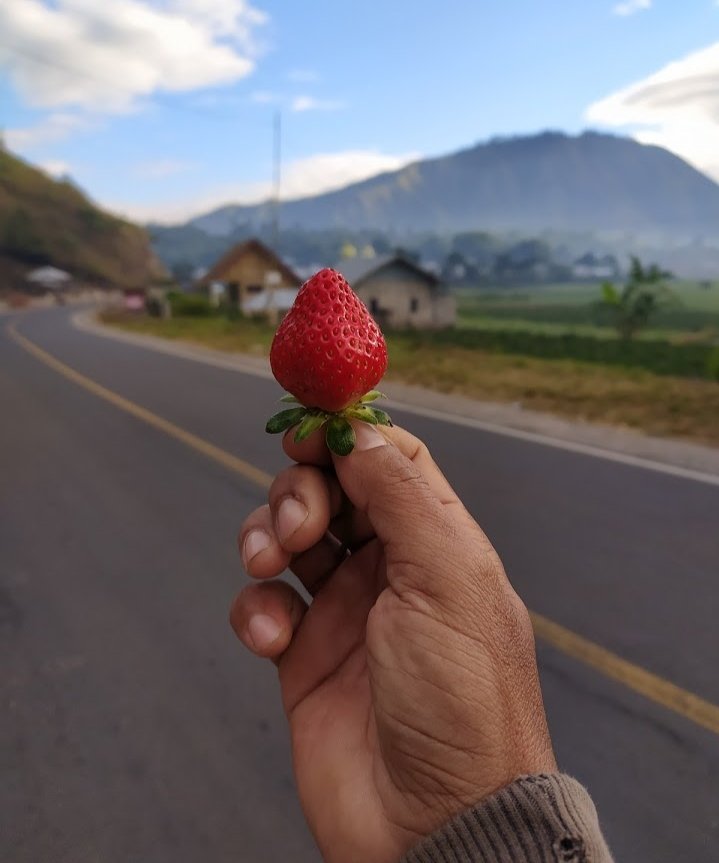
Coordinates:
(276, 177)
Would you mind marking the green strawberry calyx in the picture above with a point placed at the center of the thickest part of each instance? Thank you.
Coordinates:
(339, 434)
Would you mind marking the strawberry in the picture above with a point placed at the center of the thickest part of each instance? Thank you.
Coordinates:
(329, 354)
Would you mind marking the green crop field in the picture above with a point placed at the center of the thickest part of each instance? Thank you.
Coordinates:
(554, 309)
(695, 296)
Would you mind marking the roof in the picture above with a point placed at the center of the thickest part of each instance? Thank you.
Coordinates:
(236, 252)
(358, 270)
(282, 300)
(48, 275)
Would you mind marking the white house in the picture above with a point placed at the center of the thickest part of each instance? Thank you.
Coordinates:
(49, 278)
(399, 293)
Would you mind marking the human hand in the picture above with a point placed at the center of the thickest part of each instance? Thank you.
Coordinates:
(410, 682)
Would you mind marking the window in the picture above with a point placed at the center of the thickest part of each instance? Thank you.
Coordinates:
(374, 306)
(254, 289)
(413, 304)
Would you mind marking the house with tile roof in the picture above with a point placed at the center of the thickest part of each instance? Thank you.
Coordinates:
(252, 276)
(399, 293)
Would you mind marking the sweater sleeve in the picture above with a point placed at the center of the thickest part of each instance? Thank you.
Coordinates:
(537, 819)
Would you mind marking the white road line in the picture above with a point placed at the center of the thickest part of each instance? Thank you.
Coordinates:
(559, 443)
(233, 363)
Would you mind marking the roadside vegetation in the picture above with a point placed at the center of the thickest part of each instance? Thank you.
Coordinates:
(655, 385)
(669, 328)
(631, 307)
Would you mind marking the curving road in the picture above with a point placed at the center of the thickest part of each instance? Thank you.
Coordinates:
(133, 728)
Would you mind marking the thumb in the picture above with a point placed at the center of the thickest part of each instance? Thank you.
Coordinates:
(396, 495)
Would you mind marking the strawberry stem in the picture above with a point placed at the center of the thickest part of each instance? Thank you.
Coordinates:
(309, 424)
(285, 419)
(339, 434)
(371, 396)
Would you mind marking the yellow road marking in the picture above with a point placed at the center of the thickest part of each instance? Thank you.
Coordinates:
(226, 459)
(634, 677)
(651, 686)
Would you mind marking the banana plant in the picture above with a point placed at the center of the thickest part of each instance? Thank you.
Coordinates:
(631, 306)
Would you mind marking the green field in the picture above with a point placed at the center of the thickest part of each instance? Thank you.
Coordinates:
(692, 314)
(692, 296)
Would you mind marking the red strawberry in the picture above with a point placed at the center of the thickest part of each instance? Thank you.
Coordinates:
(329, 354)
(328, 351)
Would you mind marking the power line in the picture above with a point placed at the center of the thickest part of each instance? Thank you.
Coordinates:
(276, 177)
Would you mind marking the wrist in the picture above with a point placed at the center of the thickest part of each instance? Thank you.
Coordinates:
(536, 818)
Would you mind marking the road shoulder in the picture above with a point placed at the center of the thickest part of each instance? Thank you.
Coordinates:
(607, 441)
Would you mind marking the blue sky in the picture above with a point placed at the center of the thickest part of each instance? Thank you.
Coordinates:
(164, 108)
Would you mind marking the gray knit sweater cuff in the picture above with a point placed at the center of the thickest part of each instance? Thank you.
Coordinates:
(534, 820)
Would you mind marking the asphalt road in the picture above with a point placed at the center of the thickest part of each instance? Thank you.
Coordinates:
(134, 728)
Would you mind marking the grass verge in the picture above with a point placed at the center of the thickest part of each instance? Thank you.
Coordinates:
(638, 399)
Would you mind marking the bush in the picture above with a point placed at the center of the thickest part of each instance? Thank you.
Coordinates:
(21, 238)
(190, 305)
(230, 310)
(153, 307)
(713, 364)
(658, 356)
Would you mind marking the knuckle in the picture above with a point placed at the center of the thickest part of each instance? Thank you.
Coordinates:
(521, 622)
(515, 635)
(401, 472)
(420, 450)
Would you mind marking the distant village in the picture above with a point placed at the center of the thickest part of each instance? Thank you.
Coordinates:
(400, 288)
(400, 292)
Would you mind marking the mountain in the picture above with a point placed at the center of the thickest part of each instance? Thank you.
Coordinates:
(44, 221)
(551, 181)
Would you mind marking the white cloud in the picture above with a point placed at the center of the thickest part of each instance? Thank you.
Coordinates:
(56, 168)
(104, 56)
(161, 168)
(54, 127)
(234, 18)
(312, 175)
(676, 107)
(629, 7)
(309, 103)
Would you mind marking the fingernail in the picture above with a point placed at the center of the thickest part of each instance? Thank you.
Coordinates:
(256, 541)
(291, 515)
(263, 631)
(367, 437)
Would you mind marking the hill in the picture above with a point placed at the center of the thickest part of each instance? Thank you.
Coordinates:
(591, 182)
(44, 221)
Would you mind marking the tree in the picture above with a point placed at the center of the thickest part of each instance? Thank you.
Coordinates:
(183, 272)
(477, 247)
(631, 307)
(525, 261)
(21, 239)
